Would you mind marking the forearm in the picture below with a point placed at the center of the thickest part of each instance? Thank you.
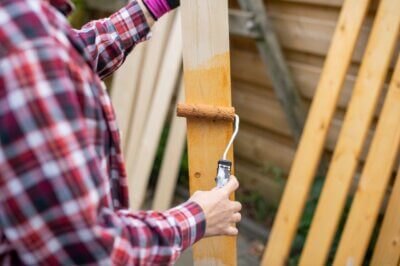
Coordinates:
(108, 41)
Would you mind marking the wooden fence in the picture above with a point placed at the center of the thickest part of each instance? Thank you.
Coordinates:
(265, 147)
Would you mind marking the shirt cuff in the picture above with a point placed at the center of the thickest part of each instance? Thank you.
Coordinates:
(192, 222)
(131, 25)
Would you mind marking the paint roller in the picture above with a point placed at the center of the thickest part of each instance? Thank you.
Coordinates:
(214, 113)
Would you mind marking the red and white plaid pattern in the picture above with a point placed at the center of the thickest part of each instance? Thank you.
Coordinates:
(63, 192)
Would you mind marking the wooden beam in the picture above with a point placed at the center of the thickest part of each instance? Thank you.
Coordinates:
(166, 84)
(242, 23)
(171, 160)
(311, 146)
(358, 119)
(207, 81)
(387, 248)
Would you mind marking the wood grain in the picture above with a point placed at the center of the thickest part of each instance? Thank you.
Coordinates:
(360, 112)
(387, 248)
(171, 160)
(149, 76)
(124, 90)
(311, 145)
(378, 167)
(207, 81)
(169, 73)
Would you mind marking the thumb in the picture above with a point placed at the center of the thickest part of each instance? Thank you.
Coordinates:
(232, 185)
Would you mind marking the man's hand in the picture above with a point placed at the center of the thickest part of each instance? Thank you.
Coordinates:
(221, 213)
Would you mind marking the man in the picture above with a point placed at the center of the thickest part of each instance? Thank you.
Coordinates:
(63, 191)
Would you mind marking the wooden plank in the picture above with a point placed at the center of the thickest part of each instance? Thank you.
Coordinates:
(171, 160)
(166, 84)
(316, 130)
(240, 22)
(207, 81)
(150, 71)
(380, 162)
(272, 55)
(367, 91)
(387, 248)
(124, 88)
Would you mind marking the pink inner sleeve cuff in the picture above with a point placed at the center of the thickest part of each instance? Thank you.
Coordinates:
(157, 8)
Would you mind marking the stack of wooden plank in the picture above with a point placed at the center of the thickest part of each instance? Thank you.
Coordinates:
(142, 93)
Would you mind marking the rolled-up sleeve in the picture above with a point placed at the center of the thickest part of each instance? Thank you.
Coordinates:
(108, 41)
(53, 187)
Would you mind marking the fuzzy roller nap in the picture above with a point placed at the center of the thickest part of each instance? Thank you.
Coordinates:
(202, 111)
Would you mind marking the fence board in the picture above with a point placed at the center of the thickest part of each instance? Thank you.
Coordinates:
(387, 248)
(367, 90)
(380, 162)
(311, 146)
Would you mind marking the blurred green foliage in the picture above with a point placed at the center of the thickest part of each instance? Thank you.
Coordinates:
(81, 15)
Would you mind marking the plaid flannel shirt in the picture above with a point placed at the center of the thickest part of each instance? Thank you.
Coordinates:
(63, 191)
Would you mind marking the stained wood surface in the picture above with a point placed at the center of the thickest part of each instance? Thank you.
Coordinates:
(311, 145)
(172, 159)
(366, 93)
(378, 168)
(169, 73)
(207, 81)
(387, 248)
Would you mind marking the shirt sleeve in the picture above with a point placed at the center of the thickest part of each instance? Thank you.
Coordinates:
(108, 41)
(52, 183)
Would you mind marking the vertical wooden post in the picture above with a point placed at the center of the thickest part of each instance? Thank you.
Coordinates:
(207, 81)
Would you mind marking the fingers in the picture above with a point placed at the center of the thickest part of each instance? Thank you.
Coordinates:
(232, 185)
(231, 231)
(236, 218)
(236, 206)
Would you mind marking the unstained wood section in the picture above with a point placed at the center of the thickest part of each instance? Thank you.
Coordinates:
(171, 160)
(166, 84)
(311, 145)
(148, 80)
(124, 89)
